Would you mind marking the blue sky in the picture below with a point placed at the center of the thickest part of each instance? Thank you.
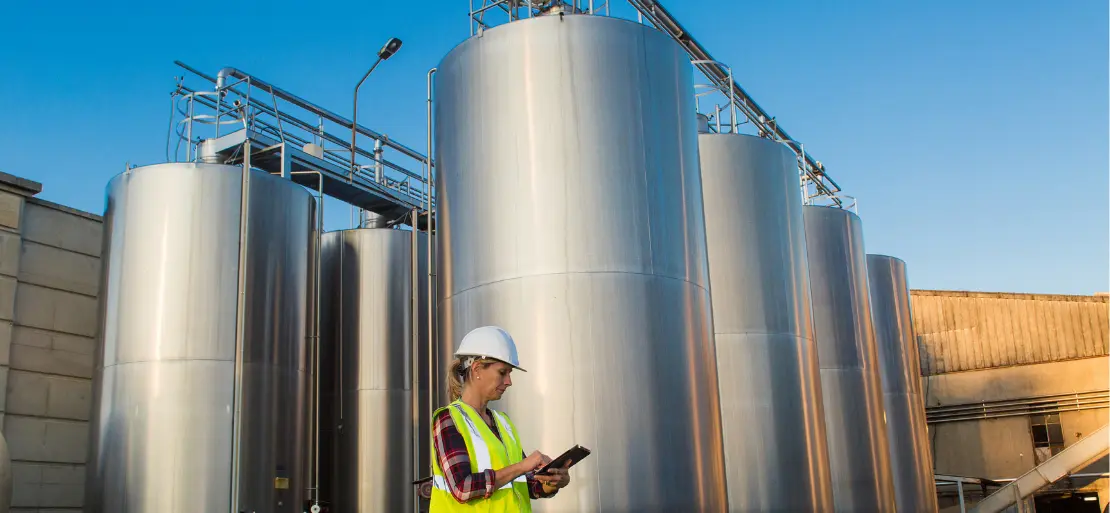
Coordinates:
(973, 133)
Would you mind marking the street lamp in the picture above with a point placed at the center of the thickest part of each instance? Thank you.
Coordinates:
(386, 52)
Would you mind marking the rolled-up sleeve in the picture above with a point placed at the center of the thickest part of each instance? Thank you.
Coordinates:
(451, 452)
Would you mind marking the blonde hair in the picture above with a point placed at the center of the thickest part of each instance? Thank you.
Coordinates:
(459, 372)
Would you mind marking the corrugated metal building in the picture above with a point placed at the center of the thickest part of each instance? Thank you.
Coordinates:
(962, 331)
(1010, 380)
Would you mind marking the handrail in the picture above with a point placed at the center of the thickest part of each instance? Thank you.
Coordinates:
(309, 128)
(1073, 457)
(717, 72)
(302, 103)
(266, 112)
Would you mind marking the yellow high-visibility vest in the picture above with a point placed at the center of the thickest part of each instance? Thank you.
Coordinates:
(486, 452)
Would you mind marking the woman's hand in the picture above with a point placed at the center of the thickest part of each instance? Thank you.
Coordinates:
(534, 461)
(555, 479)
(529, 464)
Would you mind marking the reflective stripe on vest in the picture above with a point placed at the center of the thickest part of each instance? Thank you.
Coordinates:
(481, 450)
(503, 425)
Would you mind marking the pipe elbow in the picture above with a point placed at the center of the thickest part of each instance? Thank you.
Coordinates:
(221, 77)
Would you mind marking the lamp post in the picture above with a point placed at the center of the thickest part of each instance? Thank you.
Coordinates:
(386, 52)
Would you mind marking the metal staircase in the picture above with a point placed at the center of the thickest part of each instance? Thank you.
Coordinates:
(1074, 457)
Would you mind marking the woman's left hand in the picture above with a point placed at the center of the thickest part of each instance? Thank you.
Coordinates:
(555, 479)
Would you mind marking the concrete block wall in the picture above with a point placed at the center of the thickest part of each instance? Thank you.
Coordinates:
(49, 281)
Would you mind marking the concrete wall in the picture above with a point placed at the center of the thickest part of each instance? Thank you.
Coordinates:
(1017, 382)
(1002, 448)
(49, 280)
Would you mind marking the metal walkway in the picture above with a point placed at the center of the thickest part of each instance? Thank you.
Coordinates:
(238, 117)
(243, 118)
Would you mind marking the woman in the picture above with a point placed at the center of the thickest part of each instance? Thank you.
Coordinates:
(478, 463)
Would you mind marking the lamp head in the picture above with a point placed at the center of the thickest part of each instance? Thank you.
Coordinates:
(390, 48)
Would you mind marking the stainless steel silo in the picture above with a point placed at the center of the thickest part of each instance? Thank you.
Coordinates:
(367, 318)
(204, 317)
(766, 350)
(910, 459)
(570, 213)
(850, 389)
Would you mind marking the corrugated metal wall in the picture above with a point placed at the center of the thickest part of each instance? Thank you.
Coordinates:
(960, 331)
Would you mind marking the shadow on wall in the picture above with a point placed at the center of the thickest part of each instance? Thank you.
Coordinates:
(994, 448)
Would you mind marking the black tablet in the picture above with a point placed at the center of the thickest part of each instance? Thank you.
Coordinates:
(572, 456)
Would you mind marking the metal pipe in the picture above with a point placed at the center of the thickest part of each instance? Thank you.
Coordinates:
(315, 336)
(960, 491)
(189, 131)
(373, 219)
(354, 116)
(1020, 407)
(1045, 411)
(732, 100)
(431, 299)
(379, 169)
(414, 304)
(240, 315)
(1050, 398)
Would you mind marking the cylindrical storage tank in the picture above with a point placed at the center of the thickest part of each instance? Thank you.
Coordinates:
(367, 319)
(910, 459)
(195, 324)
(766, 351)
(850, 388)
(570, 213)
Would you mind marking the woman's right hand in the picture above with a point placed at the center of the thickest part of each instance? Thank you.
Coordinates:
(535, 460)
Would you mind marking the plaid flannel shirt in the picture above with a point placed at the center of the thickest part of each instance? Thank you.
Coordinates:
(450, 449)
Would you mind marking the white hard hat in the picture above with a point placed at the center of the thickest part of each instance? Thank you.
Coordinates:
(490, 342)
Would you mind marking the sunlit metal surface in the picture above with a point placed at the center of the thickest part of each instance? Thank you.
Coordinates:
(570, 213)
(911, 462)
(766, 350)
(850, 383)
(368, 410)
(164, 394)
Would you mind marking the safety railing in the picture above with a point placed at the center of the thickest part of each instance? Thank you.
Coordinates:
(244, 103)
(817, 184)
